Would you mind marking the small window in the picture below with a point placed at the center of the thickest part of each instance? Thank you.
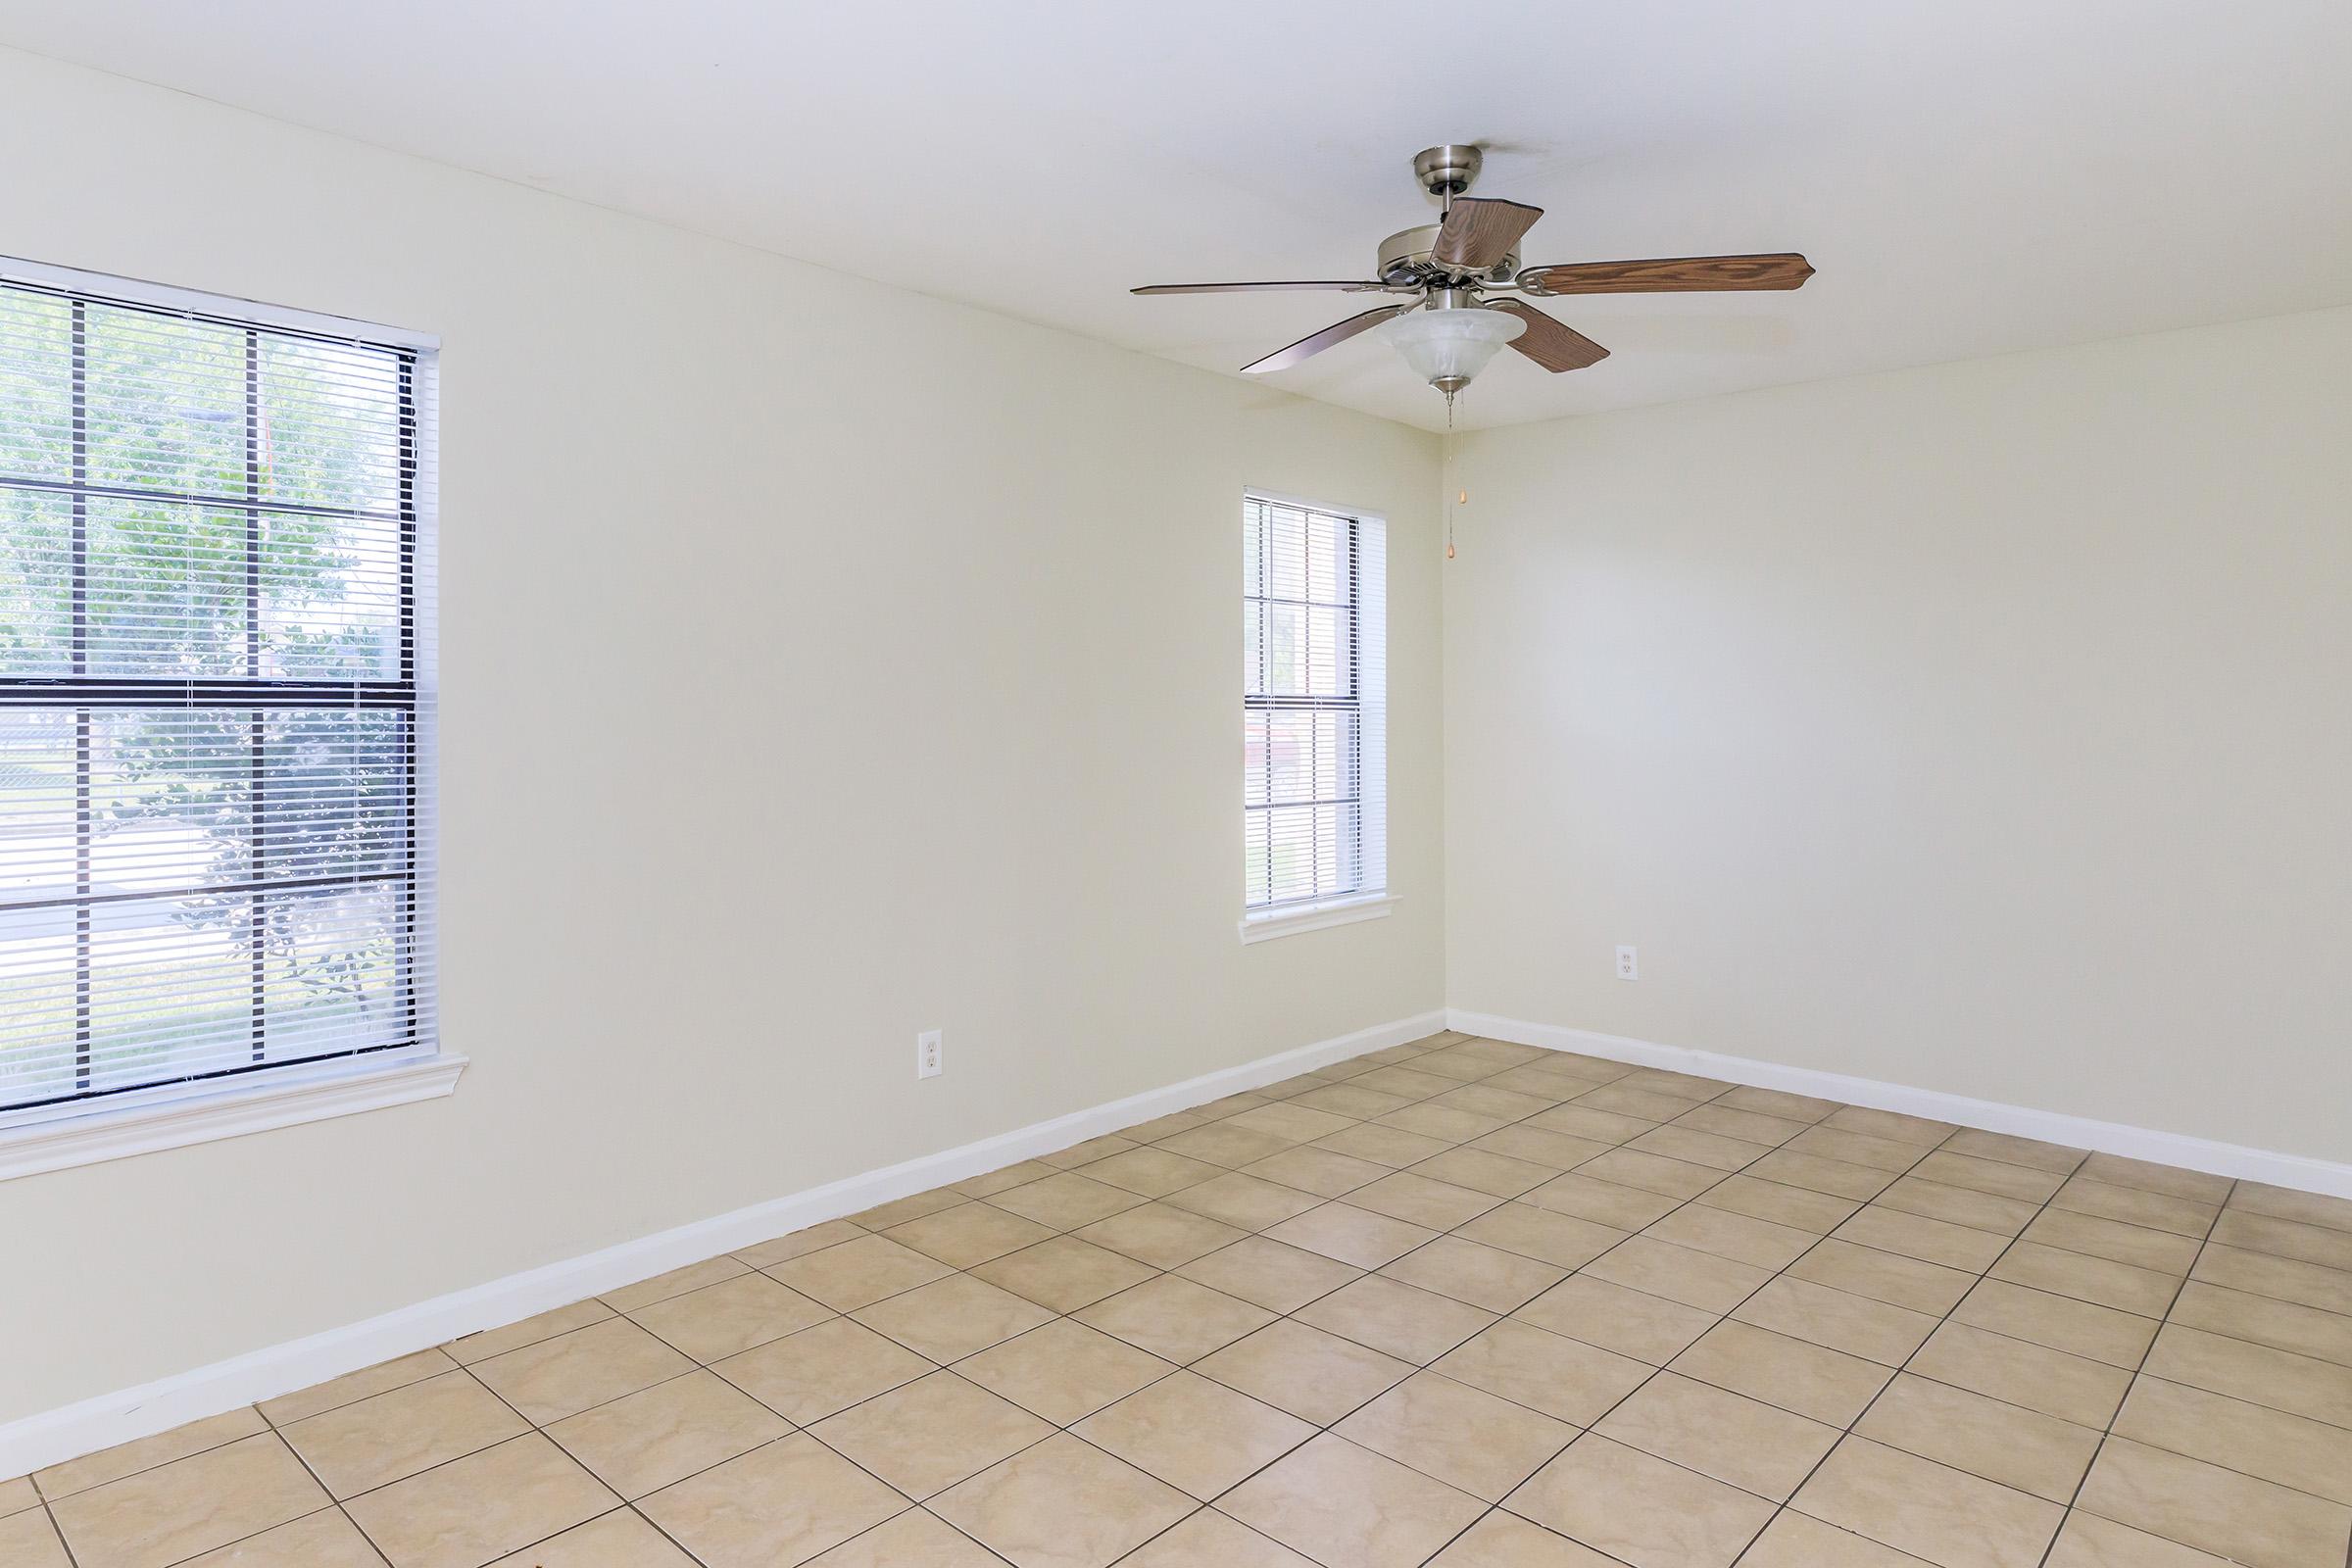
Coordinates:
(214, 691)
(1314, 706)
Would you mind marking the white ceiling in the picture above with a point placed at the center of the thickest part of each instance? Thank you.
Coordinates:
(1970, 176)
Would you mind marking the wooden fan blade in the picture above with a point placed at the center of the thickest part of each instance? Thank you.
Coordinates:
(1307, 347)
(1478, 232)
(1546, 341)
(1669, 275)
(1346, 285)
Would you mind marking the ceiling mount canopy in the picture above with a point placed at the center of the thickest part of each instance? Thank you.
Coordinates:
(1445, 326)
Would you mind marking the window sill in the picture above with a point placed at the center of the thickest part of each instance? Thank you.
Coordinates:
(80, 1136)
(1316, 917)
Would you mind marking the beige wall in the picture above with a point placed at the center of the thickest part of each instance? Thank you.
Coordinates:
(821, 663)
(1985, 729)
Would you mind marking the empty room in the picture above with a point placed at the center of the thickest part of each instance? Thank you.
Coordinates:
(1286, 785)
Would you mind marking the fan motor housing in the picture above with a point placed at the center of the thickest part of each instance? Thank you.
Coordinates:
(1405, 259)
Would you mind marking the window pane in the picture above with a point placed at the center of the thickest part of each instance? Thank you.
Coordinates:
(37, 1005)
(1326, 667)
(328, 425)
(1335, 847)
(1254, 650)
(167, 589)
(1253, 549)
(1286, 553)
(171, 989)
(1256, 857)
(1326, 559)
(171, 799)
(1302, 851)
(334, 793)
(329, 598)
(331, 971)
(37, 871)
(36, 593)
(167, 402)
(37, 379)
(1291, 755)
(1332, 748)
(36, 810)
(1291, 852)
(1286, 649)
(1255, 756)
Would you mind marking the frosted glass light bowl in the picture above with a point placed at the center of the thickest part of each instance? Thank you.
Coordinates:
(1447, 348)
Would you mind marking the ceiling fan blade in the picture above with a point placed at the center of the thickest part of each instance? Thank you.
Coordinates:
(1546, 342)
(1478, 232)
(1344, 285)
(1669, 275)
(1307, 347)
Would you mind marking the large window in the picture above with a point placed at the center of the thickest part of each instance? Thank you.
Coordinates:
(214, 691)
(1314, 702)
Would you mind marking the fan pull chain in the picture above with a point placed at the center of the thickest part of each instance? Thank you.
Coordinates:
(1446, 465)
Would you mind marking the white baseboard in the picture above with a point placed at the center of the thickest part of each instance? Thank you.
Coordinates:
(55, 1436)
(2076, 1132)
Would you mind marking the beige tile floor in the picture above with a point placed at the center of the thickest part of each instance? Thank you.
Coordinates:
(1458, 1302)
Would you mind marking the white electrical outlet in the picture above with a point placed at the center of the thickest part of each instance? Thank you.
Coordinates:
(929, 1054)
(1629, 964)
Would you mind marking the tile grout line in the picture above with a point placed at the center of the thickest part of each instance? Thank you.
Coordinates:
(1322, 1428)
(2264, 1295)
(1329, 1428)
(2137, 1372)
(1585, 1429)
(339, 1504)
(1789, 1505)
(623, 1505)
(1925, 1150)
(2159, 1322)
(1487, 1507)
(72, 1558)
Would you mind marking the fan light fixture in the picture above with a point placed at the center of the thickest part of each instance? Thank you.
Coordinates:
(1447, 348)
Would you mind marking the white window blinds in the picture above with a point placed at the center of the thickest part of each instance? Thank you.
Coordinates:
(215, 645)
(1314, 705)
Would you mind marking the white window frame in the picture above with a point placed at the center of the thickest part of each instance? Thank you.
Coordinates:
(54, 1137)
(1376, 900)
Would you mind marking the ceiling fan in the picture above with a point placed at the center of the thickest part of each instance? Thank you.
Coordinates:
(1447, 329)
